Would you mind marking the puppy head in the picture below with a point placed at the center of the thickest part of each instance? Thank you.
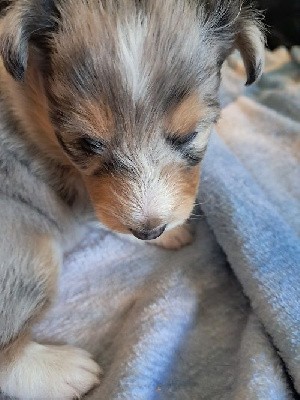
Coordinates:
(131, 92)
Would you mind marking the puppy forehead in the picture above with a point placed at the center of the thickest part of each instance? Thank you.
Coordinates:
(129, 68)
(142, 47)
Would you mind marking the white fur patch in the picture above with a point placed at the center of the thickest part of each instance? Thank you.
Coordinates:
(202, 138)
(153, 193)
(131, 38)
(49, 373)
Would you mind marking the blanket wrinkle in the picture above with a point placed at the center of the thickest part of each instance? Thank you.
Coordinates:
(260, 374)
(265, 256)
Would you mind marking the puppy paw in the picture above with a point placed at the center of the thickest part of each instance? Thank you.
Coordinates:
(175, 238)
(50, 373)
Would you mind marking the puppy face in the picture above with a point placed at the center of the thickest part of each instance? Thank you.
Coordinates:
(131, 111)
(131, 91)
(142, 173)
(140, 162)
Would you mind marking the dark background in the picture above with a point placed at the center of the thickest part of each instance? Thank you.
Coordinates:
(282, 18)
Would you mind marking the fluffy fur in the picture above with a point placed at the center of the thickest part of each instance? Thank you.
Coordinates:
(106, 110)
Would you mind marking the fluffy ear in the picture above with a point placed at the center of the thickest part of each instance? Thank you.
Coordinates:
(234, 26)
(24, 22)
(250, 42)
(14, 42)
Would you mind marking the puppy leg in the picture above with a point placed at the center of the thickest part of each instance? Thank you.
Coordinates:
(29, 264)
(175, 238)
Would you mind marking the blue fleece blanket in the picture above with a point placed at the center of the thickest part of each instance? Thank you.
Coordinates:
(251, 198)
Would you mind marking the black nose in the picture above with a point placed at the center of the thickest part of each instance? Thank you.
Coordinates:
(148, 234)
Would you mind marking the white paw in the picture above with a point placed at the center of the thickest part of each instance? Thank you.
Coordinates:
(50, 373)
(175, 238)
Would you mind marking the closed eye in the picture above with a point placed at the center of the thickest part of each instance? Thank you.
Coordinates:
(90, 145)
(184, 145)
(194, 157)
(179, 141)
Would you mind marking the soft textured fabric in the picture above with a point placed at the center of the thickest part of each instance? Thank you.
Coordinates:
(219, 319)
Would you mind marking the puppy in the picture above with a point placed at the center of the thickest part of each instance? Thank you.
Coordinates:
(106, 108)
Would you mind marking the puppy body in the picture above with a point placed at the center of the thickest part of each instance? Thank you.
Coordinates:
(105, 112)
(41, 216)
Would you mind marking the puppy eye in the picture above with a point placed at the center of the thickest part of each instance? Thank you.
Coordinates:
(183, 144)
(193, 159)
(91, 146)
(181, 141)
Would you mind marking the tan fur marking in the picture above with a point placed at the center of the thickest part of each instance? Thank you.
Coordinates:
(14, 349)
(191, 179)
(189, 183)
(45, 264)
(95, 118)
(184, 118)
(106, 205)
(110, 209)
(30, 105)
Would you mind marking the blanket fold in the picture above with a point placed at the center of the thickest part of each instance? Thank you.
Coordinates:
(260, 373)
(261, 248)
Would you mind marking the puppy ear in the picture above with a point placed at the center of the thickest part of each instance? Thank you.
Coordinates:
(235, 26)
(14, 43)
(250, 42)
(24, 22)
